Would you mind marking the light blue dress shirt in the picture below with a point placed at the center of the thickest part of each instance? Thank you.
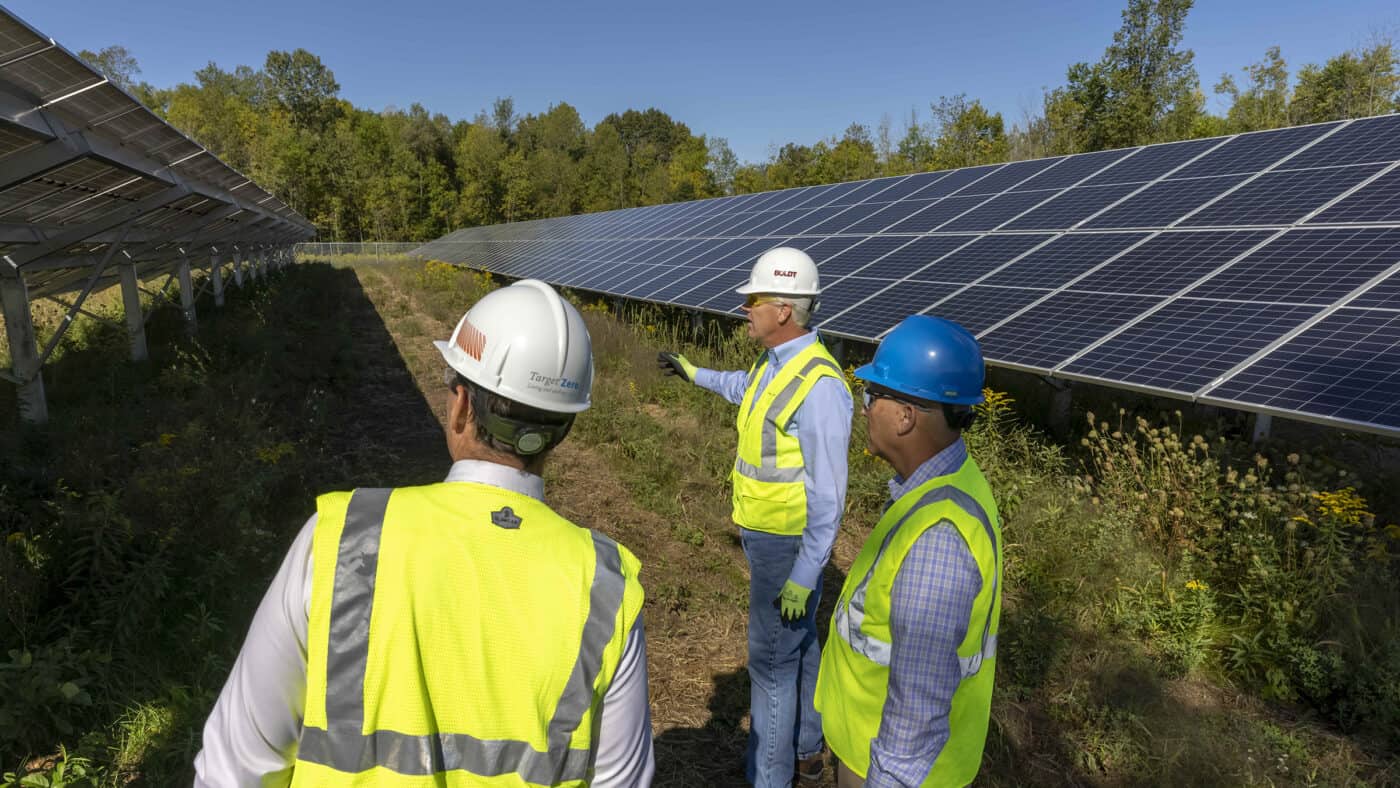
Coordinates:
(930, 604)
(822, 426)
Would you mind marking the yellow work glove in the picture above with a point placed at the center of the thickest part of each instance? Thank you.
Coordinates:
(794, 600)
(676, 364)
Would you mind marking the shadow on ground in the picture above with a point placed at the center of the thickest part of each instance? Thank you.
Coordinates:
(163, 495)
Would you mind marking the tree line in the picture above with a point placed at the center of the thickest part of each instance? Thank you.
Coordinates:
(412, 174)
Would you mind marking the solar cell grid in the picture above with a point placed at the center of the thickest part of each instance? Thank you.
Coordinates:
(996, 211)
(937, 213)
(1061, 326)
(847, 292)
(882, 311)
(1281, 197)
(1364, 140)
(1249, 153)
(838, 222)
(1171, 261)
(1152, 162)
(1307, 266)
(1377, 201)
(979, 257)
(1163, 202)
(953, 181)
(909, 185)
(858, 256)
(1382, 295)
(887, 215)
(1189, 342)
(1073, 169)
(980, 307)
(909, 260)
(1347, 366)
(1070, 207)
(819, 249)
(1010, 175)
(812, 197)
(817, 217)
(865, 191)
(1062, 259)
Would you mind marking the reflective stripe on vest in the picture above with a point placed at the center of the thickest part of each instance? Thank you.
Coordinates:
(769, 471)
(851, 615)
(343, 747)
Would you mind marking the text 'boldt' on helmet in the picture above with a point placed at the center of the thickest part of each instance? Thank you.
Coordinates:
(928, 358)
(783, 270)
(526, 344)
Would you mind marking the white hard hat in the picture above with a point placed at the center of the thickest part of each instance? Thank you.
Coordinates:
(785, 271)
(526, 344)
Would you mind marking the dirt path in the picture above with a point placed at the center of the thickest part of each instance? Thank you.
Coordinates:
(696, 594)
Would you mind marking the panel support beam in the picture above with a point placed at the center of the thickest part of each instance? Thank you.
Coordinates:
(135, 320)
(1263, 424)
(216, 275)
(24, 349)
(186, 294)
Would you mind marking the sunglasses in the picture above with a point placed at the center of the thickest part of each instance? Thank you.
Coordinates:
(451, 377)
(754, 299)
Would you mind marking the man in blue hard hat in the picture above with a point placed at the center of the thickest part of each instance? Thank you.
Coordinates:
(905, 687)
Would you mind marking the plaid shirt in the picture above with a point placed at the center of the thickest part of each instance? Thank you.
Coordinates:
(930, 605)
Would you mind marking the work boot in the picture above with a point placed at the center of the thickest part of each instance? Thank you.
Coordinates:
(809, 769)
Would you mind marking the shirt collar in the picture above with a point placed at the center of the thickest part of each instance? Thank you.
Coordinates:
(497, 475)
(784, 352)
(940, 464)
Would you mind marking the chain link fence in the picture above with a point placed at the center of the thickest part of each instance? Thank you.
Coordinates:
(367, 248)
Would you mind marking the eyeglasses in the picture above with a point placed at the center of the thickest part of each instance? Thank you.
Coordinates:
(754, 299)
(869, 395)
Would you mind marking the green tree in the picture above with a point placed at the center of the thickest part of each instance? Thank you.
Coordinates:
(1351, 85)
(1143, 90)
(967, 134)
(1263, 103)
(478, 157)
(723, 164)
(303, 85)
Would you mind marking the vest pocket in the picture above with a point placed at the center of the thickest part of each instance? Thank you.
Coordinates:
(769, 507)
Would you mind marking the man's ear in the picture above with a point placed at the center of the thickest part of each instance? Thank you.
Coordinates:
(460, 419)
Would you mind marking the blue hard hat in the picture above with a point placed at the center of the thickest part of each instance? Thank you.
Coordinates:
(928, 358)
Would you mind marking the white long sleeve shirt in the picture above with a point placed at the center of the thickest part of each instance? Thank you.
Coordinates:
(250, 738)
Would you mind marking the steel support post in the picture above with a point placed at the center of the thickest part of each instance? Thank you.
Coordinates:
(1061, 402)
(186, 294)
(24, 349)
(135, 321)
(238, 268)
(217, 272)
(1263, 423)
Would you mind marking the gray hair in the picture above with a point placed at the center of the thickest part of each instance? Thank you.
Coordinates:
(801, 310)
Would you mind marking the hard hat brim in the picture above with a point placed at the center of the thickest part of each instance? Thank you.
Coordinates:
(869, 374)
(750, 290)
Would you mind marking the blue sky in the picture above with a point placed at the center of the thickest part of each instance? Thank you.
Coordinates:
(757, 73)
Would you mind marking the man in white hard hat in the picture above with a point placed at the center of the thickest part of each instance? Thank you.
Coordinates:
(789, 481)
(459, 632)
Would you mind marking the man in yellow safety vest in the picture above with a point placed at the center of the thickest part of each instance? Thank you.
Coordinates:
(789, 482)
(905, 689)
(460, 633)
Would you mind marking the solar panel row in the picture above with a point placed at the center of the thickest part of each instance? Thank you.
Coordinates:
(1219, 269)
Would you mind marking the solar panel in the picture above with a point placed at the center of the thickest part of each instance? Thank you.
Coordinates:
(1189, 342)
(1175, 269)
(1344, 368)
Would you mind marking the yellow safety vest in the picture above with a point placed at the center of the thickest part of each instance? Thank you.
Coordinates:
(459, 635)
(855, 670)
(768, 492)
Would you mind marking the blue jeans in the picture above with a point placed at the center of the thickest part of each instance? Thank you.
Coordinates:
(783, 661)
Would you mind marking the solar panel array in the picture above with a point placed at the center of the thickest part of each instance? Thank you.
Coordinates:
(1258, 271)
(84, 167)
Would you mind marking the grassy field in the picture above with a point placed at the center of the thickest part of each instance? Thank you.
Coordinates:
(1179, 611)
